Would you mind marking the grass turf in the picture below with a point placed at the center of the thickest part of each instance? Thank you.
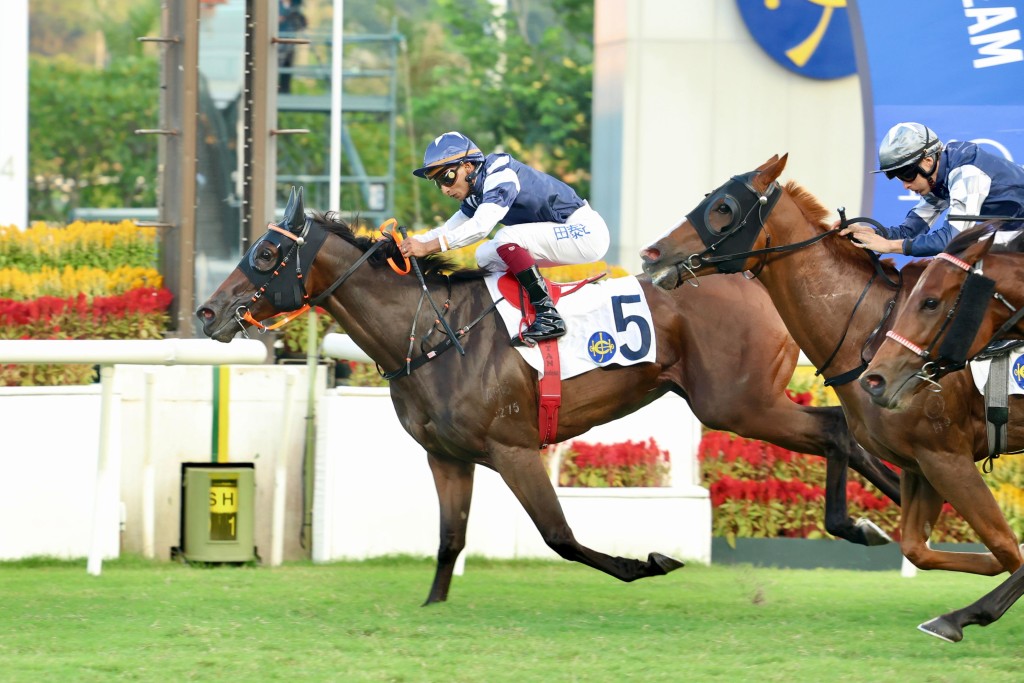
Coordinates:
(504, 621)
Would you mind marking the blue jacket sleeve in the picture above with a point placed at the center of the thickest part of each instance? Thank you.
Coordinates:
(914, 231)
(929, 244)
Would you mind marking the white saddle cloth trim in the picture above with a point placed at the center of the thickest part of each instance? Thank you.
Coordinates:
(590, 321)
(1015, 382)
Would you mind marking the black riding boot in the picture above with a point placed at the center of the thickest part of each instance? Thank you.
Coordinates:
(548, 323)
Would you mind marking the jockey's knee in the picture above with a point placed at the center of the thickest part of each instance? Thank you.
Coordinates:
(488, 259)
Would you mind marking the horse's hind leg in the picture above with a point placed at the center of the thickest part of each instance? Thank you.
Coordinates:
(524, 473)
(454, 482)
(950, 627)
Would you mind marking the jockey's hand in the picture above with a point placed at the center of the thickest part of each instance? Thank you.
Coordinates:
(413, 247)
(867, 238)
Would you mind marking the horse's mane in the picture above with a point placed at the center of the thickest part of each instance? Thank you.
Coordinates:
(815, 212)
(808, 203)
(435, 265)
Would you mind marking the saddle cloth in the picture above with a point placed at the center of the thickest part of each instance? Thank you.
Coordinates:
(980, 368)
(608, 323)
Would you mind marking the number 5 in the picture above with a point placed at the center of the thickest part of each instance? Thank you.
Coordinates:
(623, 321)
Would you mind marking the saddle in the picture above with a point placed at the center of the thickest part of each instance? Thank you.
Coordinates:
(550, 384)
(999, 348)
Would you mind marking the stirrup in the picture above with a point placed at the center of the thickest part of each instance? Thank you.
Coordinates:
(531, 341)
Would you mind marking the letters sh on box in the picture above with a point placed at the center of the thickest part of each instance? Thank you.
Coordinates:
(218, 507)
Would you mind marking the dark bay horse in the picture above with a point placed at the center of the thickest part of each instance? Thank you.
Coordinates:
(834, 298)
(733, 374)
(963, 298)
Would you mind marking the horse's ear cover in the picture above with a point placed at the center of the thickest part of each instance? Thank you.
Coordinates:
(294, 212)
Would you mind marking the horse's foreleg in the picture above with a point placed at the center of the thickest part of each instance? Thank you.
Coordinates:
(950, 627)
(454, 482)
(874, 470)
(958, 482)
(524, 473)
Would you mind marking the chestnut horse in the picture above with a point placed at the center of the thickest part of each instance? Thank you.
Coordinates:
(834, 298)
(965, 299)
(457, 406)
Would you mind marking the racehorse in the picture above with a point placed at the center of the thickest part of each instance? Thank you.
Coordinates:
(482, 407)
(965, 299)
(835, 299)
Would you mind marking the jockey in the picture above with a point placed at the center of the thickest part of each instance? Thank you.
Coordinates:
(959, 177)
(544, 221)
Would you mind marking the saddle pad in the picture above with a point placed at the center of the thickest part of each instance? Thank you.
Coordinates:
(608, 323)
(979, 368)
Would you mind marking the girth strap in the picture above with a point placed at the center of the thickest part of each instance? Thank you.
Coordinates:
(550, 387)
(997, 412)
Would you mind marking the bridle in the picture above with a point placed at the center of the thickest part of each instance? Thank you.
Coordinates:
(743, 199)
(961, 324)
(290, 296)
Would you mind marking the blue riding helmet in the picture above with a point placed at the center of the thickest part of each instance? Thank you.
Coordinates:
(448, 149)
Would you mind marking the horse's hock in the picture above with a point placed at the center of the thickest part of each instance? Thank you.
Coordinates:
(373, 492)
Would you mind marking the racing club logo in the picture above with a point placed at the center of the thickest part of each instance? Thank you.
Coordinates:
(809, 37)
(1018, 371)
(601, 347)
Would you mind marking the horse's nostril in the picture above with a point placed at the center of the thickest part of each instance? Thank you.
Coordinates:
(650, 254)
(205, 313)
(873, 384)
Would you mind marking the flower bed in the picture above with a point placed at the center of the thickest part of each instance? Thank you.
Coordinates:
(86, 281)
(625, 464)
(759, 490)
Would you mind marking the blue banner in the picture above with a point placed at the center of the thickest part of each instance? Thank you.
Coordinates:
(956, 66)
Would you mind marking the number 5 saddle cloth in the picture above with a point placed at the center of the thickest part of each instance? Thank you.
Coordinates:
(608, 323)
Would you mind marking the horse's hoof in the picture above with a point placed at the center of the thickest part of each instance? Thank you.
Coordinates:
(873, 533)
(665, 563)
(942, 628)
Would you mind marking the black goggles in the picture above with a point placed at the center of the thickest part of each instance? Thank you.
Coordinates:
(907, 174)
(447, 177)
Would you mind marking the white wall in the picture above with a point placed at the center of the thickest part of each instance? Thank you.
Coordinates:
(52, 445)
(684, 98)
(374, 492)
(47, 469)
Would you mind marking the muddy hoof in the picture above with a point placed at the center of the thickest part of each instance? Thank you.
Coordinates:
(942, 628)
(665, 563)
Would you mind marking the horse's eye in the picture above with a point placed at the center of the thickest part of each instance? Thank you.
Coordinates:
(722, 208)
(264, 257)
(930, 304)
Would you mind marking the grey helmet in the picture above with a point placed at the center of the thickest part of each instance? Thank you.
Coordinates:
(905, 144)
